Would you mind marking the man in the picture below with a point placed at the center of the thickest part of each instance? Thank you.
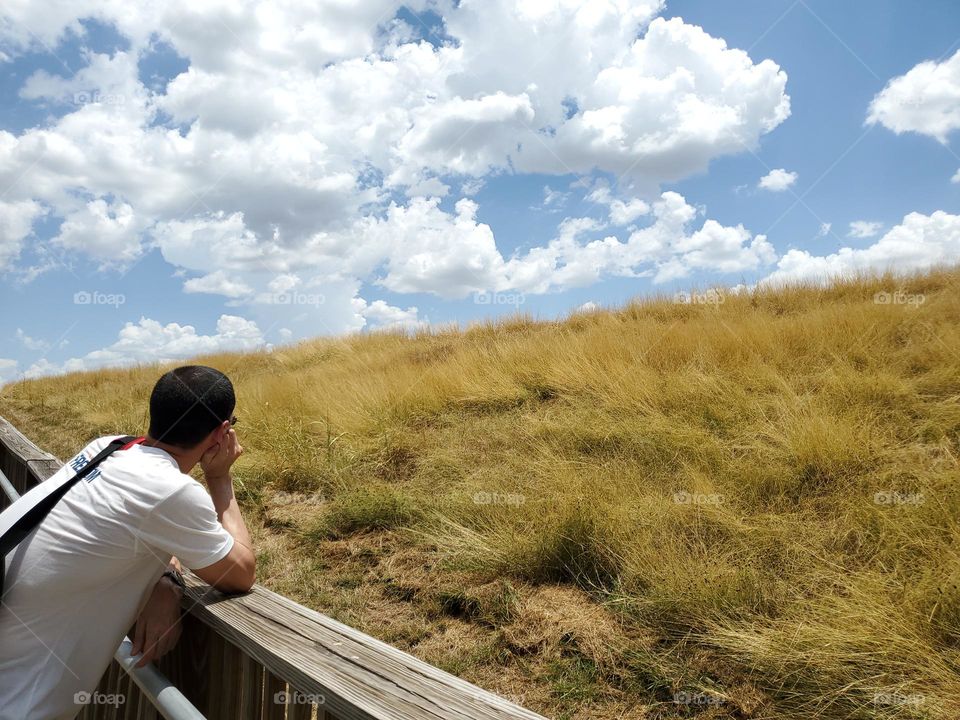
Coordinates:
(106, 554)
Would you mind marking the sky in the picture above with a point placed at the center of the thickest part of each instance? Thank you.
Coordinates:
(180, 178)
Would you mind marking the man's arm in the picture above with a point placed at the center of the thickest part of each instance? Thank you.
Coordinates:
(158, 625)
(237, 571)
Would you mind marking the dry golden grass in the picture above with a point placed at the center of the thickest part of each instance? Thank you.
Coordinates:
(750, 505)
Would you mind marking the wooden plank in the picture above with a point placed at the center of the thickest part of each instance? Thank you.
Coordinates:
(128, 689)
(215, 681)
(251, 688)
(22, 461)
(228, 704)
(358, 676)
(188, 666)
(299, 710)
(19, 444)
(272, 687)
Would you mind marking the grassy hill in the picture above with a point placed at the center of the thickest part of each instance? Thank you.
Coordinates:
(742, 508)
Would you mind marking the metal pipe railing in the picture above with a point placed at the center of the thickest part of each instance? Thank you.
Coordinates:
(167, 699)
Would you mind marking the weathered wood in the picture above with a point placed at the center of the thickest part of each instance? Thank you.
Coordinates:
(359, 677)
(273, 686)
(188, 666)
(345, 674)
(251, 688)
(228, 681)
(21, 461)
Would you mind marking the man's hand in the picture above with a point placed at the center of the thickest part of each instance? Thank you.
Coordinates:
(158, 627)
(217, 461)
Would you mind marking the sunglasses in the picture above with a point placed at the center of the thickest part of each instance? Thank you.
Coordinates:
(233, 420)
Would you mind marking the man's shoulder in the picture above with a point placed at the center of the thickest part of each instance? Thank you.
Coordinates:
(150, 469)
(96, 445)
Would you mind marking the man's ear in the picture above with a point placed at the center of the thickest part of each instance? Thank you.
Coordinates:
(217, 435)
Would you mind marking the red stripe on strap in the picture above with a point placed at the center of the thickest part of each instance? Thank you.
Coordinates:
(133, 442)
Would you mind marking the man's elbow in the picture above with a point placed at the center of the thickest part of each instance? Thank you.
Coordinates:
(239, 582)
(244, 576)
(237, 574)
(249, 579)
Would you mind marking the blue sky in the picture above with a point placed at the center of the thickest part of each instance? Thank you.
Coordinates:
(231, 176)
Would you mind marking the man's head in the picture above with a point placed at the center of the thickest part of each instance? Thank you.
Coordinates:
(188, 404)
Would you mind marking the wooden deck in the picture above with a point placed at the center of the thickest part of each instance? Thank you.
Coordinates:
(262, 656)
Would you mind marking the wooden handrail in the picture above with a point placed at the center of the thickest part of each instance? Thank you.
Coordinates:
(261, 655)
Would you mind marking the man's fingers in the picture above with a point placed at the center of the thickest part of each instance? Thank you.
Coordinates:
(150, 652)
(235, 444)
(211, 453)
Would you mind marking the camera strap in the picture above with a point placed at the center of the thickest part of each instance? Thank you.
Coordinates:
(26, 514)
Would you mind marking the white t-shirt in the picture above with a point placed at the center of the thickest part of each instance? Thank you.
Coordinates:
(76, 585)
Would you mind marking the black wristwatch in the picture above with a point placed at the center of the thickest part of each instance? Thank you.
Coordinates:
(176, 578)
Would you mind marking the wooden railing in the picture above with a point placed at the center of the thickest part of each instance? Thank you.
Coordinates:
(262, 656)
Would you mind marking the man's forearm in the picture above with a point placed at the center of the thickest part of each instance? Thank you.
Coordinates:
(228, 511)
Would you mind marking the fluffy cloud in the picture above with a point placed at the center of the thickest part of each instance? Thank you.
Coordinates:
(149, 341)
(919, 242)
(429, 250)
(288, 112)
(107, 231)
(864, 229)
(217, 283)
(16, 223)
(379, 315)
(667, 249)
(621, 212)
(31, 343)
(925, 100)
(777, 180)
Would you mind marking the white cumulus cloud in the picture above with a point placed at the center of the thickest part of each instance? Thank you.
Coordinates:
(777, 180)
(919, 242)
(149, 341)
(864, 229)
(924, 100)
(217, 283)
(380, 315)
